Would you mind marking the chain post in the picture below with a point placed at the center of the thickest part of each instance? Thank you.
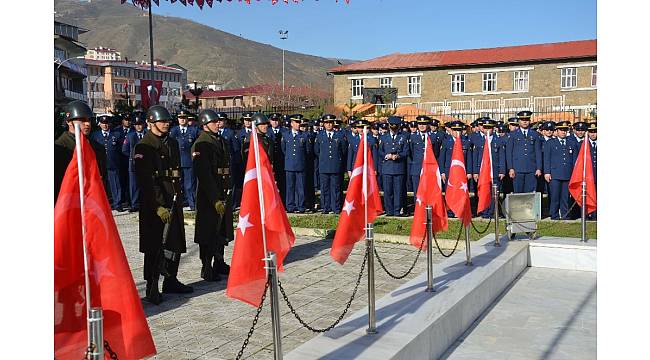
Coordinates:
(370, 241)
(468, 251)
(275, 305)
(429, 210)
(495, 192)
(583, 212)
(96, 333)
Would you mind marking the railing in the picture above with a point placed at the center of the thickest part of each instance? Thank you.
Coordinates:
(75, 95)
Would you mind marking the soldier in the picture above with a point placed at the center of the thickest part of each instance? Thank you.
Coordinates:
(498, 161)
(275, 133)
(295, 147)
(162, 234)
(239, 166)
(310, 196)
(316, 128)
(330, 148)
(477, 140)
(261, 123)
(128, 146)
(112, 144)
(121, 132)
(191, 122)
(592, 133)
(416, 150)
(214, 230)
(558, 166)
(234, 145)
(524, 155)
(393, 152)
(75, 112)
(447, 149)
(579, 130)
(185, 135)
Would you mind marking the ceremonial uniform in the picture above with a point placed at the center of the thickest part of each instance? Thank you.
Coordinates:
(185, 136)
(112, 146)
(330, 147)
(239, 165)
(295, 147)
(558, 163)
(214, 228)
(128, 147)
(276, 134)
(497, 161)
(524, 156)
(446, 151)
(121, 133)
(393, 171)
(310, 196)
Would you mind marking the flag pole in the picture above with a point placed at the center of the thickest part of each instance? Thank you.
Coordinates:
(429, 223)
(583, 210)
(372, 326)
(495, 191)
(260, 192)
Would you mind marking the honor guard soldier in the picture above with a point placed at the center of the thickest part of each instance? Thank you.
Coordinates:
(162, 233)
(185, 136)
(330, 147)
(559, 160)
(524, 155)
(275, 133)
(75, 112)
(310, 195)
(416, 150)
(295, 147)
(112, 144)
(131, 140)
(498, 161)
(261, 124)
(214, 230)
(393, 152)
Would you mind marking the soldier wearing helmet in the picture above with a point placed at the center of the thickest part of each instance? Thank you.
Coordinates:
(261, 124)
(162, 234)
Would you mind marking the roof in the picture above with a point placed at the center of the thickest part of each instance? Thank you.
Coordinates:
(499, 55)
(264, 89)
(123, 63)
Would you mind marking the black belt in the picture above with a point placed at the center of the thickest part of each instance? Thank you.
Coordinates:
(171, 173)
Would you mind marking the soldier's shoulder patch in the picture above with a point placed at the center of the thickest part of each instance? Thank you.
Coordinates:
(195, 154)
(138, 156)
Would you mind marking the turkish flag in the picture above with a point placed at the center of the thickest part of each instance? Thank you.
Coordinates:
(146, 100)
(583, 170)
(110, 280)
(247, 277)
(352, 222)
(485, 178)
(457, 194)
(429, 193)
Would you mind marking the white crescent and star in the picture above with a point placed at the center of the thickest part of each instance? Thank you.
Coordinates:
(244, 224)
(348, 207)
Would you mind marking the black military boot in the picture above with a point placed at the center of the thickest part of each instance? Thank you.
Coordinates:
(153, 295)
(172, 285)
(220, 267)
(207, 272)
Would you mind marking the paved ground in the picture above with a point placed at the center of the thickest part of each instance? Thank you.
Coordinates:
(208, 325)
(555, 318)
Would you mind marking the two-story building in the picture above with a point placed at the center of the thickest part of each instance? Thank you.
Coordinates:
(554, 77)
(69, 66)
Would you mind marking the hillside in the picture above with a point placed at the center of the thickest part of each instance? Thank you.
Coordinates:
(208, 54)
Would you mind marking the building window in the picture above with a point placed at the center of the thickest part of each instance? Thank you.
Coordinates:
(414, 85)
(357, 87)
(224, 102)
(489, 82)
(458, 83)
(521, 81)
(593, 76)
(386, 82)
(569, 78)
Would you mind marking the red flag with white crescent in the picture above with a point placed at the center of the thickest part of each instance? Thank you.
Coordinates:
(457, 194)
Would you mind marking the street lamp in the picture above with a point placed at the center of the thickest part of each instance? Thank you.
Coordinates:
(68, 59)
(196, 91)
(284, 34)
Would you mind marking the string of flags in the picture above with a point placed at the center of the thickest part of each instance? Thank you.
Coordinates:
(200, 3)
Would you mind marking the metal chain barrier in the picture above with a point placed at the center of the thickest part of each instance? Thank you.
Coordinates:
(347, 306)
(484, 230)
(110, 351)
(255, 319)
(398, 277)
(505, 212)
(455, 246)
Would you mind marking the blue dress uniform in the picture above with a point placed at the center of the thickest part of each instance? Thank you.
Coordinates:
(113, 147)
(524, 155)
(185, 136)
(447, 149)
(234, 147)
(504, 136)
(121, 132)
(310, 192)
(573, 139)
(132, 139)
(275, 134)
(593, 128)
(330, 147)
(316, 177)
(559, 164)
(393, 172)
(498, 162)
(240, 167)
(295, 145)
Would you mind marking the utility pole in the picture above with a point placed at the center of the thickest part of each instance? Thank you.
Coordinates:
(284, 34)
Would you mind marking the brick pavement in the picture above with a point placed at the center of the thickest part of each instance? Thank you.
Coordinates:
(208, 325)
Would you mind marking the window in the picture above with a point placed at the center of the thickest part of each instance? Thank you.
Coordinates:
(489, 82)
(521, 81)
(137, 88)
(357, 87)
(224, 102)
(569, 78)
(414, 85)
(458, 83)
(593, 76)
(385, 82)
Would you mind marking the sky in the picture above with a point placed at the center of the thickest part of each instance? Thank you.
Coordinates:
(364, 29)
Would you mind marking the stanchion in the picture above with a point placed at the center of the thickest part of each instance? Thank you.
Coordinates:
(372, 326)
(467, 247)
(583, 212)
(275, 306)
(96, 334)
(495, 192)
(429, 210)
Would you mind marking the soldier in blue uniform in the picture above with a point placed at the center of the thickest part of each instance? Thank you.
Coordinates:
(575, 139)
(393, 152)
(416, 150)
(446, 151)
(524, 155)
(330, 147)
(295, 145)
(375, 134)
(138, 118)
(592, 135)
(310, 195)
(316, 128)
(546, 128)
(113, 147)
(185, 136)
(239, 167)
(558, 166)
(275, 133)
(121, 132)
(477, 140)
(498, 160)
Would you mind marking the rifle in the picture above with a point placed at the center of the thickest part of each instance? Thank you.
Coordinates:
(165, 254)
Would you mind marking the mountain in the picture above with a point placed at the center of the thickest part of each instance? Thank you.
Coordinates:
(208, 54)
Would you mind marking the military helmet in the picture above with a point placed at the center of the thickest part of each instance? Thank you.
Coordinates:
(260, 119)
(77, 109)
(158, 113)
(207, 116)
